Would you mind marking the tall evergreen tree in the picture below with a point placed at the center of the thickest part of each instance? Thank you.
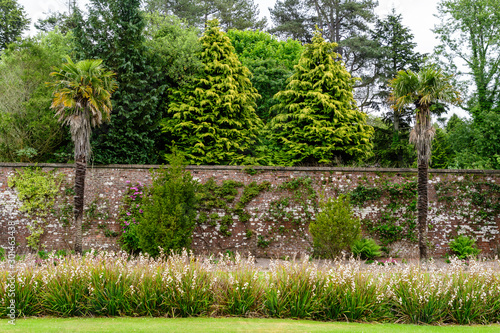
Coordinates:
(344, 22)
(292, 19)
(318, 120)
(397, 50)
(213, 120)
(113, 31)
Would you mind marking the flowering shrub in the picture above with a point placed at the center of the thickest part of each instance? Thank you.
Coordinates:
(130, 214)
(110, 284)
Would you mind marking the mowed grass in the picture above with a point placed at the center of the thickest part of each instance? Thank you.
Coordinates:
(217, 325)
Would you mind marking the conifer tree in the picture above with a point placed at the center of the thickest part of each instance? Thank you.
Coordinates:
(213, 120)
(318, 120)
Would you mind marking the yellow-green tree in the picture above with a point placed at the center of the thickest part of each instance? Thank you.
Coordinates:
(213, 119)
(318, 120)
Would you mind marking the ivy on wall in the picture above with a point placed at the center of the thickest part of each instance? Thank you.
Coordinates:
(38, 191)
(471, 198)
(397, 216)
(217, 206)
(47, 194)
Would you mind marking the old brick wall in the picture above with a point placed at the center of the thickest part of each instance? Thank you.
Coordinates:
(269, 235)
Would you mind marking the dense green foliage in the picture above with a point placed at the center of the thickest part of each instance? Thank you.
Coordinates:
(469, 32)
(318, 120)
(397, 53)
(270, 61)
(344, 22)
(156, 54)
(335, 228)
(213, 119)
(29, 132)
(169, 210)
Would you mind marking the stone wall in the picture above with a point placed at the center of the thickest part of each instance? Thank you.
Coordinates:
(278, 217)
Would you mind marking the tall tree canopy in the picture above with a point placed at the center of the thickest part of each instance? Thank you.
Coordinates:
(397, 52)
(468, 34)
(344, 22)
(13, 21)
(292, 19)
(28, 130)
(114, 32)
(213, 120)
(318, 120)
(232, 14)
(470, 47)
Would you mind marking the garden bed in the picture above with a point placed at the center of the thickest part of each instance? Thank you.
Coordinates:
(112, 284)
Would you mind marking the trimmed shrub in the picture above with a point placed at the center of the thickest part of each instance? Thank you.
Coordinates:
(169, 210)
(335, 228)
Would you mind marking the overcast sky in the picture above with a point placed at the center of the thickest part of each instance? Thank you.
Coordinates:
(418, 15)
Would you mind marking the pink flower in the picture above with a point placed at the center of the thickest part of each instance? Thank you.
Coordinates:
(128, 213)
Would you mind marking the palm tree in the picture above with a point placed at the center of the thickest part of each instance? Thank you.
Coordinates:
(82, 100)
(423, 89)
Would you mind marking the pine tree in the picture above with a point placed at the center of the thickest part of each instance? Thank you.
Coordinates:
(318, 120)
(213, 120)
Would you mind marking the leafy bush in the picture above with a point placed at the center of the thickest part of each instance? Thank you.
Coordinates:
(464, 247)
(335, 228)
(169, 210)
(366, 249)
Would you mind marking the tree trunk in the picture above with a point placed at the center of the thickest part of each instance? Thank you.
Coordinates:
(80, 169)
(422, 208)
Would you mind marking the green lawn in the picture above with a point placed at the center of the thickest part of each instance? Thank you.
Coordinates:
(217, 325)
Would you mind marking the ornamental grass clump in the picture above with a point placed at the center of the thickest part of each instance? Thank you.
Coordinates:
(184, 285)
(239, 286)
(291, 290)
(352, 294)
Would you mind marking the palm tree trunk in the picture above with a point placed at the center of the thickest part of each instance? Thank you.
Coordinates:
(80, 169)
(422, 208)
